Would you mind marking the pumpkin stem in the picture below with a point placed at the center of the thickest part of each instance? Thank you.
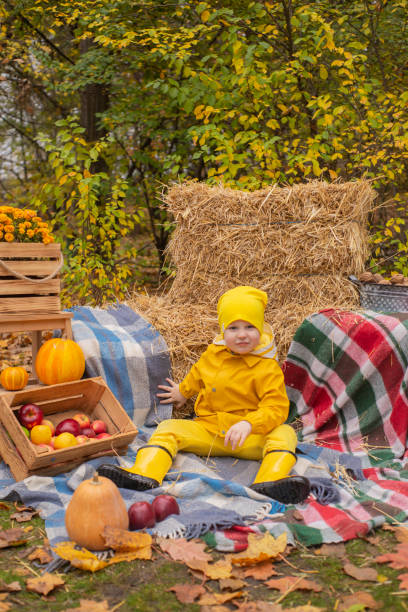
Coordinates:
(95, 479)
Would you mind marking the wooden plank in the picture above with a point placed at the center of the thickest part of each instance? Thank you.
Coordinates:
(22, 287)
(39, 322)
(42, 304)
(9, 454)
(29, 249)
(32, 267)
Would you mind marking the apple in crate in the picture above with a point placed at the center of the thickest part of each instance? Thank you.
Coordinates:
(81, 439)
(82, 419)
(88, 432)
(49, 424)
(99, 426)
(102, 435)
(30, 415)
(68, 426)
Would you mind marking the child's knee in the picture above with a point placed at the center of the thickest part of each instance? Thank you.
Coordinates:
(282, 437)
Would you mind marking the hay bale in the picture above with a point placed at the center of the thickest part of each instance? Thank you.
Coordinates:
(316, 228)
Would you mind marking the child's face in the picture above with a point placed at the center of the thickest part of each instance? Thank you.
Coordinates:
(241, 337)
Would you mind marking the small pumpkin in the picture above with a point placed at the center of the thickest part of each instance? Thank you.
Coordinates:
(59, 360)
(95, 504)
(14, 378)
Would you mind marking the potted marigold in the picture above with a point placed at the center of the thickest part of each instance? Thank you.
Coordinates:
(30, 262)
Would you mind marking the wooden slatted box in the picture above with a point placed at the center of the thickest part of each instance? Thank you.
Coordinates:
(90, 396)
(34, 261)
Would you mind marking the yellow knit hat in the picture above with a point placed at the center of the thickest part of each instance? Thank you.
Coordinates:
(242, 303)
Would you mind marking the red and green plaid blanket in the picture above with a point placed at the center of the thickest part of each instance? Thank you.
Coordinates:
(346, 375)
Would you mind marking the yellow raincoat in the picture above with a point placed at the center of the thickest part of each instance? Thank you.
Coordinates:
(232, 387)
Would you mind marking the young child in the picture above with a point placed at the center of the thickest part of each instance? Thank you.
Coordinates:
(240, 408)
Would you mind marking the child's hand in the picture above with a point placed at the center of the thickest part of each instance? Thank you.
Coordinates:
(172, 395)
(237, 434)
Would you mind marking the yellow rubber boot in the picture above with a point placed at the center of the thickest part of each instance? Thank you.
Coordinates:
(273, 481)
(275, 465)
(151, 465)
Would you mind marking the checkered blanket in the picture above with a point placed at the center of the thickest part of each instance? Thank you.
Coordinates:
(345, 376)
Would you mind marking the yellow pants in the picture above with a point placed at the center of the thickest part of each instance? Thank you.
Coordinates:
(191, 436)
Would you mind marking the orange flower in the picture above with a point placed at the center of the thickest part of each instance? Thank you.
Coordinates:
(30, 233)
(9, 237)
(9, 228)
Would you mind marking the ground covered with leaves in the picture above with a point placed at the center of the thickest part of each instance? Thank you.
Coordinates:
(145, 574)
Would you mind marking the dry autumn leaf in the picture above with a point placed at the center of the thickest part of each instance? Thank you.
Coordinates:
(186, 551)
(404, 581)
(187, 593)
(398, 559)
(221, 569)
(44, 584)
(262, 571)
(88, 605)
(360, 597)
(361, 573)
(12, 537)
(125, 541)
(212, 599)
(82, 559)
(231, 584)
(332, 550)
(42, 555)
(293, 583)
(258, 606)
(142, 553)
(23, 517)
(260, 548)
(11, 587)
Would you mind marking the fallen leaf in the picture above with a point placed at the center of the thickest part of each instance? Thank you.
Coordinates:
(332, 550)
(361, 573)
(23, 508)
(44, 584)
(23, 517)
(187, 593)
(293, 583)
(5, 606)
(260, 548)
(363, 598)
(10, 587)
(262, 571)
(258, 606)
(82, 559)
(87, 605)
(183, 550)
(398, 560)
(12, 537)
(42, 555)
(214, 609)
(401, 533)
(211, 599)
(125, 541)
(221, 569)
(232, 584)
(306, 608)
(4, 506)
(404, 581)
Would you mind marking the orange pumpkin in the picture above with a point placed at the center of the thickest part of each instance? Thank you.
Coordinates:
(59, 361)
(14, 378)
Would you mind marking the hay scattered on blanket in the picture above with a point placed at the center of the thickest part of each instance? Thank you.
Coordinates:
(297, 243)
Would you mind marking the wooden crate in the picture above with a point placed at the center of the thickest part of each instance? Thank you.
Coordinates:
(34, 261)
(90, 396)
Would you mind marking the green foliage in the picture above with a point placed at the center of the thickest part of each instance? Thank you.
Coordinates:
(90, 216)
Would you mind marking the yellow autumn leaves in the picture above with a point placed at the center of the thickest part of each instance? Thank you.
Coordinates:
(23, 225)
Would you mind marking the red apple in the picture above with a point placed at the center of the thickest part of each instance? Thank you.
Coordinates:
(81, 439)
(98, 426)
(88, 432)
(68, 426)
(30, 415)
(163, 506)
(141, 515)
(47, 447)
(102, 435)
(82, 419)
